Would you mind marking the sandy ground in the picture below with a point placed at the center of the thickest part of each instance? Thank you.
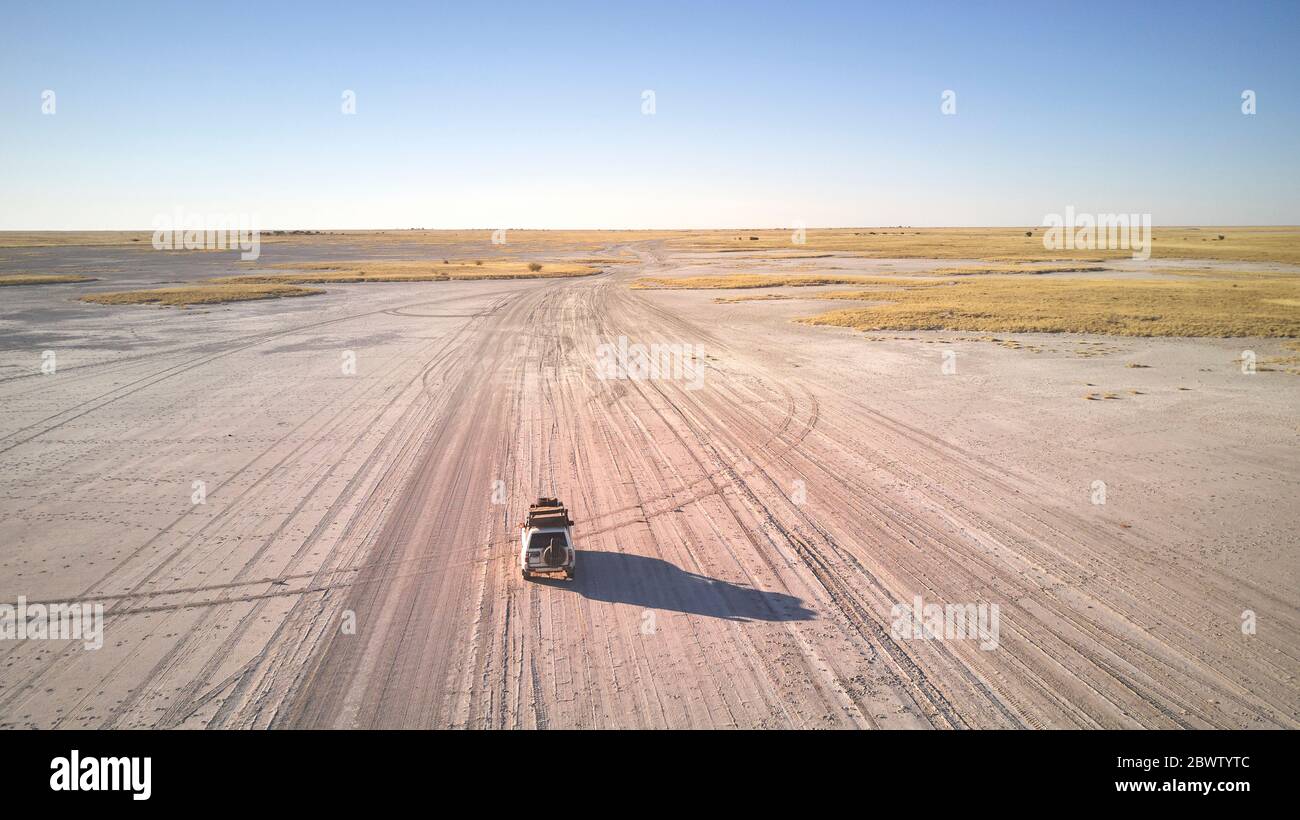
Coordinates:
(742, 544)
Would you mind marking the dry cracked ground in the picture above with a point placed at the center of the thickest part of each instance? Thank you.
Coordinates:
(743, 539)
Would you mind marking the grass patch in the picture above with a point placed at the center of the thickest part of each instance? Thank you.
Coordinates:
(763, 297)
(977, 270)
(1250, 244)
(1213, 308)
(206, 294)
(601, 260)
(42, 278)
(43, 239)
(1289, 362)
(405, 271)
(743, 281)
(275, 285)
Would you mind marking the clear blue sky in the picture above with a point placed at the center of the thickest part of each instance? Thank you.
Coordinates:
(529, 115)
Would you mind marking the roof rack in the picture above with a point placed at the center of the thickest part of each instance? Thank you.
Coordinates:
(548, 512)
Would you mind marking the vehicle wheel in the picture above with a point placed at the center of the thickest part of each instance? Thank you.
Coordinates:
(523, 573)
(572, 574)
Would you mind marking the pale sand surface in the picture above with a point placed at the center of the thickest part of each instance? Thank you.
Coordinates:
(714, 590)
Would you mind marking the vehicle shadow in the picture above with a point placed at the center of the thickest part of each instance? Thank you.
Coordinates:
(653, 583)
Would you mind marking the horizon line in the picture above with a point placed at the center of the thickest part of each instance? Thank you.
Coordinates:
(637, 230)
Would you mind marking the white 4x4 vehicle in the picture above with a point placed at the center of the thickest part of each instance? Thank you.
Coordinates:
(546, 540)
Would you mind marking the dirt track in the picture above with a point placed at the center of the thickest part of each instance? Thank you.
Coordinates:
(714, 590)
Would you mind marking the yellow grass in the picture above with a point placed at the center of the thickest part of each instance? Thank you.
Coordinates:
(410, 271)
(42, 278)
(765, 297)
(1212, 307)
(1252, 244)
(206, 294)
(601, 260)
(1289, 362)
(38, 239)
(978, 270)
(273, 285)
(742, 281)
